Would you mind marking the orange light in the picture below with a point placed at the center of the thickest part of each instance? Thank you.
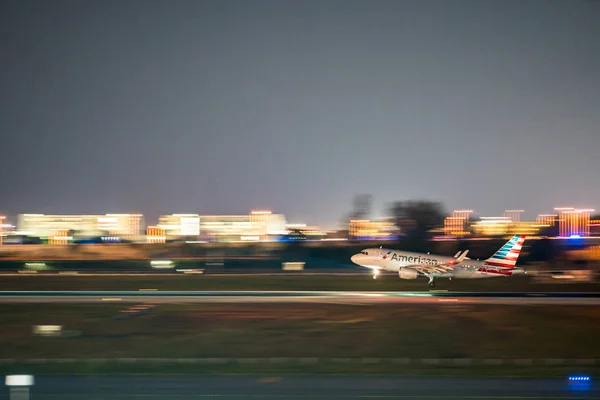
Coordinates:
(2, 218)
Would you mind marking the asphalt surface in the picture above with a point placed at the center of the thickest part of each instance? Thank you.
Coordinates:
(318, 388)
(339, 297)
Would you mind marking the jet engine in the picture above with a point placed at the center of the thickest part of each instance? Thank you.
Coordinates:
(407, 273)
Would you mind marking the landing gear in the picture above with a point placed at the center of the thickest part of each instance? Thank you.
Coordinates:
(431, 282)
(375, 273)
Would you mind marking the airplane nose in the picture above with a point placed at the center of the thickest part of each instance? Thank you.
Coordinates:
(357, 259)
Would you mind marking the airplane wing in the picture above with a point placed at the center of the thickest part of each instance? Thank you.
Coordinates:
(440, 268)
(428, 269)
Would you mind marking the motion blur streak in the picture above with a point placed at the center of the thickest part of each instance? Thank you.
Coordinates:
(301, 297)
(320, 388)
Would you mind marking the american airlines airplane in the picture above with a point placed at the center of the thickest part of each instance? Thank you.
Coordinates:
(412, 265)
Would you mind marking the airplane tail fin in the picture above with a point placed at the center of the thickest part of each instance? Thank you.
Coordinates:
(508, 254)
(456, 255)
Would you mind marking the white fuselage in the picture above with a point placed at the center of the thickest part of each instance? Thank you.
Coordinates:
(395, 260)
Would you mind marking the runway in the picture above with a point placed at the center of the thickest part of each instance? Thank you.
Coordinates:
(295, 388)
(323, 297)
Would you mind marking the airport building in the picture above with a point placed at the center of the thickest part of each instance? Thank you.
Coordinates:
(458, 223)
(256, 226)
(513, 215)
(303, 231)
(2, 228)
(594, 227)
(155, 234)
(573, 221)
(547, 220)
(178, 225)
(361, 229)
(504, 226)
(56, 227)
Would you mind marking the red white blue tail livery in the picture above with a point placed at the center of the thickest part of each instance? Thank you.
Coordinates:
(507, 256)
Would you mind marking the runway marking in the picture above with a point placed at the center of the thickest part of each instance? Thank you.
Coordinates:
(347, 321)
(270, 379)
(316, 395)
(331, 297)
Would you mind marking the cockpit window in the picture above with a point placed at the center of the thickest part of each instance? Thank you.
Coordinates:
(364, 253)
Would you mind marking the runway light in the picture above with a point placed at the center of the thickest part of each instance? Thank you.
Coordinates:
(162, 264)
(579, 378)
(19, 380)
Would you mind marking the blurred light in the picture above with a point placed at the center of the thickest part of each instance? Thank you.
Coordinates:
(36, 265)
(19, 380)
(47, 330)
(161, 264)
(579, 378)
(250, 238)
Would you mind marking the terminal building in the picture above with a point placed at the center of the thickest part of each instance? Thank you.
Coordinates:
(573, 221)
(256, 226)
(458, 223)
(58, 229)
(383, 229)
(504, 226)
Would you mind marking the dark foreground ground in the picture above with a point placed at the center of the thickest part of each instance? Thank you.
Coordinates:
(445, 330)
(308, 387)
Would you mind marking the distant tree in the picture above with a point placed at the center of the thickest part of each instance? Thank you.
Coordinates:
(362, 206)
(361, 209)
(415, 219)
(423, 215)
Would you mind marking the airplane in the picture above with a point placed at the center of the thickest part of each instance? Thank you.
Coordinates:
(411, 265)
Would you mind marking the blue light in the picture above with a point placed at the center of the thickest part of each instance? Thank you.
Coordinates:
(579, 378)
(575, 237)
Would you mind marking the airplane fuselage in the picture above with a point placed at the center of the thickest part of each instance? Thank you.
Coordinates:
(395, 261)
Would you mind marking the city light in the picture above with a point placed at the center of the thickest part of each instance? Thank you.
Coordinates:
(155, 234)
(456, 224)
(579, 378)
(573, 221)
(264, 225)
(514, 215)
(2, 218)
(45, 226)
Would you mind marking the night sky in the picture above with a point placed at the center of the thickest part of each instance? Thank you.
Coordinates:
(296, 106)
